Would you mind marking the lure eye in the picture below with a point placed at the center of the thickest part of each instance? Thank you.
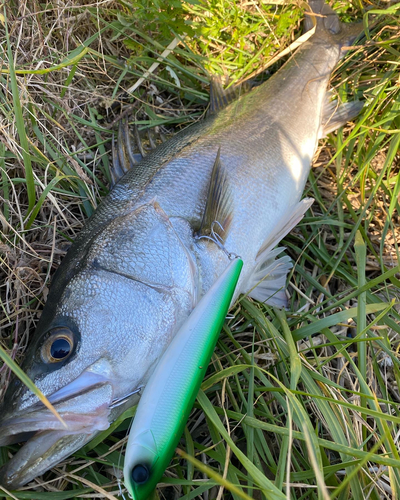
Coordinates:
(58, 347)
(140, 474)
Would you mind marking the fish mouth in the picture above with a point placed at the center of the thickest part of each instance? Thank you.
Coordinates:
(84, 406)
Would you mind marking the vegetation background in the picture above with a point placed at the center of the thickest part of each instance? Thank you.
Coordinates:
(302, 404)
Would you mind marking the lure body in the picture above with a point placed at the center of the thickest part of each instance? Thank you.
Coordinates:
(172, 389)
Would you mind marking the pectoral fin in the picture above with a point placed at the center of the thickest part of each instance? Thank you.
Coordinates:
(218, 211)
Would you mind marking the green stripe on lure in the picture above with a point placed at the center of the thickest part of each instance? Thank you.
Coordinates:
(170, 393)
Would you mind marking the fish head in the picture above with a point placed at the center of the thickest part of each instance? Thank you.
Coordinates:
(80, 392)
(98, 342)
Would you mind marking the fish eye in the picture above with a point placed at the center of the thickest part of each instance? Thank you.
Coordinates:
(58, 346)
(140, 474)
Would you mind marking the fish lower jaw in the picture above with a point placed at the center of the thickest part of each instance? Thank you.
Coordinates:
(44, 450)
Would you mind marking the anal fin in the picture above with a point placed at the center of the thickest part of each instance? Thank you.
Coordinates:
(336, 115)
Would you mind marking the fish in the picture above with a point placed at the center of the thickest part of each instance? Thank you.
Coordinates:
(169, 395)
(158, 241)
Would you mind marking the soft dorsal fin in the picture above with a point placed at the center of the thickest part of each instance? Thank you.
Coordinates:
(220, 97)
(217, 215)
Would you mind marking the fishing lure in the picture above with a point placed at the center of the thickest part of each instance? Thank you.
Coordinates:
(170, 393)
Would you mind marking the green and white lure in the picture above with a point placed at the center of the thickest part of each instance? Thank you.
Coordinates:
(170, 393)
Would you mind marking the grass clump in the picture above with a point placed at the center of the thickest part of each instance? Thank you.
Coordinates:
(307, 399)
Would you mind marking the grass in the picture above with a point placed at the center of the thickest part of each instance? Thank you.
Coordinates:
(301, 404)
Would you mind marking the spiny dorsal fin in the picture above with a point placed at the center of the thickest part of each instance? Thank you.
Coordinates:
(218, 212)
(122, 153)
(220, 97)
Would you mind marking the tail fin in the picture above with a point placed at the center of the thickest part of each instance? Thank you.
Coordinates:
(323, 17)
(325, 20)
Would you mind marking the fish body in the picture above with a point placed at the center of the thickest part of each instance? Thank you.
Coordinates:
(142, 262)
(171, 390)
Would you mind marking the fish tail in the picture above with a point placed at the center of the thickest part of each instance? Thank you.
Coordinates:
(328, 25)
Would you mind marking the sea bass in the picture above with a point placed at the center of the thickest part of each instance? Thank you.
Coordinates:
(157, 243)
